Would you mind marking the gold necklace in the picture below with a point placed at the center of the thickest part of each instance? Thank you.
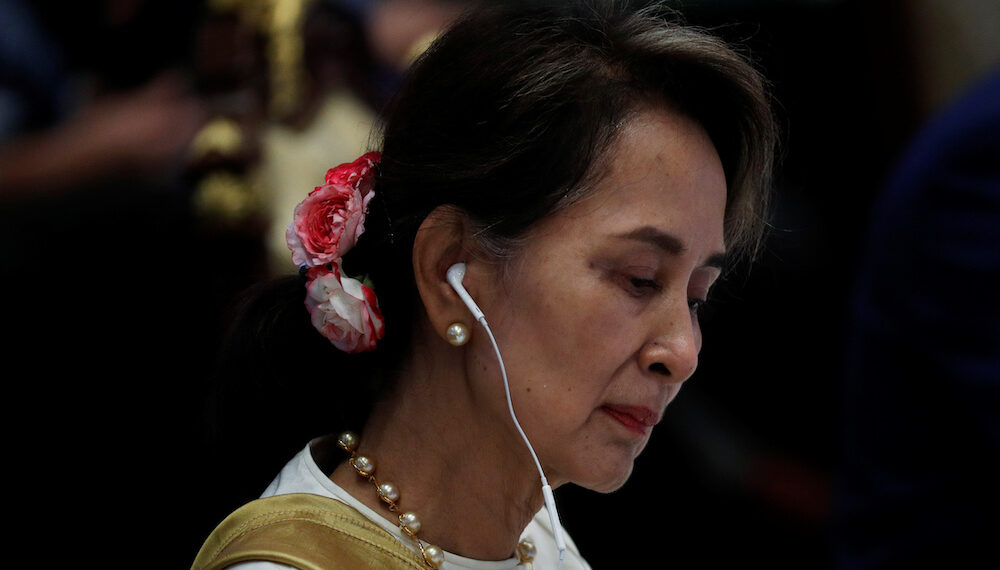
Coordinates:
(409, 523)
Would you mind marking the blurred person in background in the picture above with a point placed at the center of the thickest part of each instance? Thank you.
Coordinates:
(71, 117)
(106, 305)
(96, 122)
(918, 469)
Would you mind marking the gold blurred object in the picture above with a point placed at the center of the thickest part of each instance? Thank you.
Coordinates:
(281, 21)
(286, 51)
(225, 197)
(221, 136)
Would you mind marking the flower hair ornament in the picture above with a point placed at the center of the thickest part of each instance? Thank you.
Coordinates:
(325, 226)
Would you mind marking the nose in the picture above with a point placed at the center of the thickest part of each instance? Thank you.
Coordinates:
(672, 351)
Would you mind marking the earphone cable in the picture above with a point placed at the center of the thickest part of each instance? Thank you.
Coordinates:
(550, 502)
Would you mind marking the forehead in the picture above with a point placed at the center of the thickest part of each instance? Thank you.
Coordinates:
(663, 173)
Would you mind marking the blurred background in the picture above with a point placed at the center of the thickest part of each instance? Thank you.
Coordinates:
(151, 153)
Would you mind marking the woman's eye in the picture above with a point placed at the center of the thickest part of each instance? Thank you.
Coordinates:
(639, 286)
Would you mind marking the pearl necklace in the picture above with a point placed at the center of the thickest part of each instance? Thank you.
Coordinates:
(409, 523)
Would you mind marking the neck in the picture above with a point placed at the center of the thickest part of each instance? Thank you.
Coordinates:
(465, 472)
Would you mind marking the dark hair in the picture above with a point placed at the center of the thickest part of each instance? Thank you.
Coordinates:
(512, 115)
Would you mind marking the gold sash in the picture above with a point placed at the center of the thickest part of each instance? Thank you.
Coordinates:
(305, 531)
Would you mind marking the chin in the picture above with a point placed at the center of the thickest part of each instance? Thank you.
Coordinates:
(606, 482)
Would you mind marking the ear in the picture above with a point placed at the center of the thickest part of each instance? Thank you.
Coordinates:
(444, 239)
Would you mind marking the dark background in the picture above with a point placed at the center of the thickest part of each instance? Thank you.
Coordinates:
(117, 292)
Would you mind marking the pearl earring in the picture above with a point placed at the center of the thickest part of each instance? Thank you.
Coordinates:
(458, 334)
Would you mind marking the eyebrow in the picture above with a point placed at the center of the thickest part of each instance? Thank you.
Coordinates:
(669, 243)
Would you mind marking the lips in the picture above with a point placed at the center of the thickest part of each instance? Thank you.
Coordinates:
(637, 419)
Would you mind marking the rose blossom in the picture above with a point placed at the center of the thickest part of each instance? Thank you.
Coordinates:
(356, 174)
(344, 310)
(328, 223)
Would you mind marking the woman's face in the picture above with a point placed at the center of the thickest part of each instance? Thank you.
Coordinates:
(596, 317)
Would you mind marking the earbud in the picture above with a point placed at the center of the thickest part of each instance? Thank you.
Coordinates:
(455, 275)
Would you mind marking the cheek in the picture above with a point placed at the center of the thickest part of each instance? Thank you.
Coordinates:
(575, 339)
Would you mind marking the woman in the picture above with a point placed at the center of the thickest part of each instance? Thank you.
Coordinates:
(591, 168)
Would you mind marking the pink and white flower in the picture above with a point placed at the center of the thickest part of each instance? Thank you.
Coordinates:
(328, 223)
(344, 310)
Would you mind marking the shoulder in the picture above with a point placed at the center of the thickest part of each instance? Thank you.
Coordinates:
(302, 531)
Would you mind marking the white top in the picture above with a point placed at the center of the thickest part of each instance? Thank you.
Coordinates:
(303, 475)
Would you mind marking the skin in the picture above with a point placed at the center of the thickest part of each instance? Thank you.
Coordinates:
(597, 313)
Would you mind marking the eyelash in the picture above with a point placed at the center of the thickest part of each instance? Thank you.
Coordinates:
(639, 286)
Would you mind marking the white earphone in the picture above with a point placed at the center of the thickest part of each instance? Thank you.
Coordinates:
(455, 275)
